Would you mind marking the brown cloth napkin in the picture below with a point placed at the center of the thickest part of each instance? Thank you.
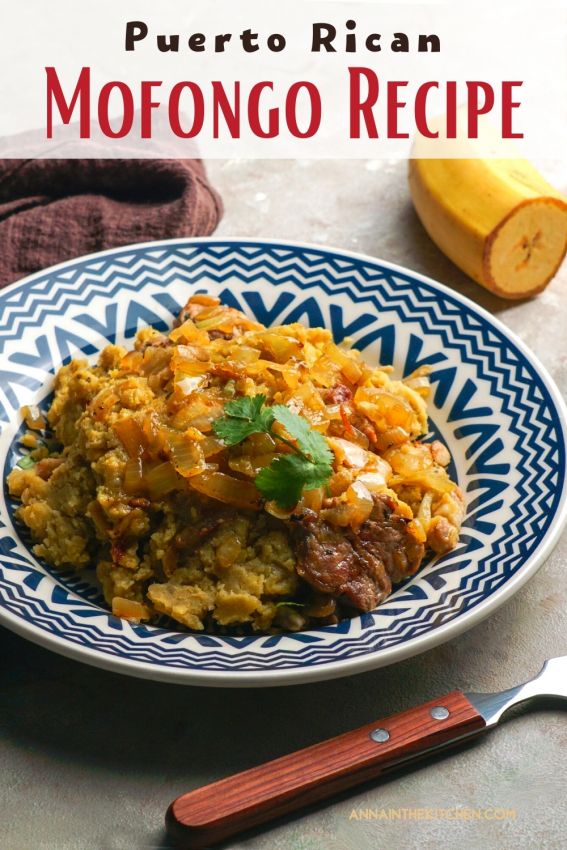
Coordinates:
(55, 209)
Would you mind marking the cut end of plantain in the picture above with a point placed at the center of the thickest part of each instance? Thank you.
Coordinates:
(498, 220)
(524, 252)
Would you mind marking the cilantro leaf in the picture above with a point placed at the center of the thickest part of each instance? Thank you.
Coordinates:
(248, 407)
(311, 442)
(307, 467)
(282, 480)
(288, 475)
(243, 417)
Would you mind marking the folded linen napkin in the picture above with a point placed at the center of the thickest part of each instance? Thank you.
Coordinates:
(55, 209)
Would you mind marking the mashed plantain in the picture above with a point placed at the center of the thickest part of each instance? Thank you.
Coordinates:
(136, 482)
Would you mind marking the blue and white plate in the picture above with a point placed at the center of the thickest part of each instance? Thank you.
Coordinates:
(492, 403)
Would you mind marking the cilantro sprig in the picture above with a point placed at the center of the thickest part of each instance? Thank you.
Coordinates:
(243, 417)
(308, 466)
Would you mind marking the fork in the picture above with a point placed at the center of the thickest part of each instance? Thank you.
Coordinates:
(217, 811)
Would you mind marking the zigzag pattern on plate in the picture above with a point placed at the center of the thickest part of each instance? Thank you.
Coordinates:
(381, 301)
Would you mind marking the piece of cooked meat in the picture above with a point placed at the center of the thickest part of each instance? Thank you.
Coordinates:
(337, 394)
(387, 535)
(359, 566)
(327, 560)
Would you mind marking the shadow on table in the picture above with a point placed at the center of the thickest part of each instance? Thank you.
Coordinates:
(76, 712)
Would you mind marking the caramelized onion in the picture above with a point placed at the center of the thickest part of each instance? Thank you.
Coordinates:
(186, 456)
(183, 366)
(421, 385)
(281, 346)
(324, 371)
(33, 417)
(204, 300)
(348, 365)
(189, 332)
(133, 482)
(245, 354)
(352, 508)
(190, 384)
(361, 500)
(410, 459)
(271, 507)
(132, 361)
(225, 488)
(349, 454)
(153, 434)
(376, 480)
(322, 606)
(131, 436)
(211, 317)
(250, 465)
(211, 446)
(313, 499)
(340, 481)
(386, 410)
(161, 480)
(129, 609)
(429, 479)
(190, 353)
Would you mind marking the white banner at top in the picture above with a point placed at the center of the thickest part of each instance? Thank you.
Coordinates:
(255, 79)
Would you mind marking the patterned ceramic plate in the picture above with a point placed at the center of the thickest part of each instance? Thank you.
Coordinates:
(492, 403)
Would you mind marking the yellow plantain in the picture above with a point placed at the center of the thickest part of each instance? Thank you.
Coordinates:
(497, 219)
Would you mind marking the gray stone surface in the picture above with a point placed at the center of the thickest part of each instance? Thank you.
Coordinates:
(90, 760)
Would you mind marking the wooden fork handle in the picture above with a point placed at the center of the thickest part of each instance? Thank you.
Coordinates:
(217, 811)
